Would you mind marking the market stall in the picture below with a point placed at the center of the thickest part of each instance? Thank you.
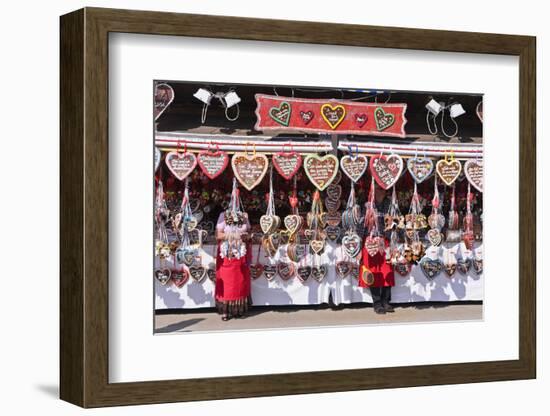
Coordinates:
(310, 203)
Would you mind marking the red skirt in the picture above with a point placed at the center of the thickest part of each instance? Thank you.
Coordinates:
(232, 279)
(382, 271)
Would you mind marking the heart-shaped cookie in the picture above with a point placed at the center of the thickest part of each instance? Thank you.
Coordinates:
(430, 267)
(372, 245)
(473, 169)
(319, 272)
(281, 114)
(212, 163)
(163, 275)
(181, 164)
(463, 265)
(249, 169)
(343, 268)
(333, 115)
(383, 120)
(256, 270)
(333, 232)
(286, 270)
(197, 273)
(333, 205)
(354, 166)
(403, 268)
(361, 119)
(180, 277)
(164, 95)
(420, 168)
(303, 273)
(293, 223)
(211, 273)
(333, 218)
(434, 237)
(269, 223)
(317, 246)
(321, 170)
(270, 271)
(295, 252)
(386, 170)
(448, 170)
(351, 244)
(287, 163)
(477, 265)
(185, 255)
(450, 269)
(334, 191)
(306, 116)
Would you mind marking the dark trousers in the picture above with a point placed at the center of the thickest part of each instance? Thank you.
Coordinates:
(381, 295)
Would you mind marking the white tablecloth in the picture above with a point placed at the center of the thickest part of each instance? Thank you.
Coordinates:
(414, 287)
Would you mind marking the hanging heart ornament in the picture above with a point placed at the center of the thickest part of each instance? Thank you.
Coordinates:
(180, 277)
(351, 244)
(354, 166)
(287, 163)
(343, 268)
(293, 223)
(249, 169)
(434, 237)
(212, 163)
(386, 169)
(420, 168)
(321, 170)
(303, 273)
(158, 156)
(317, 245)
(163, 275)
(473, 169)
(286, 270)
(430, 267)
(319, 272)
(256, 270)
(198, 273)
(372, 245)
(181, 164)
(383, 120)
(448, 170)
(269, 223)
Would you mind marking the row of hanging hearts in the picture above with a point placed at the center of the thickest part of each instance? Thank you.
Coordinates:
(251, 168)
(180, 276)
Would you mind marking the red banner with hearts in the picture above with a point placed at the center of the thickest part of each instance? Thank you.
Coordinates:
(330, 116)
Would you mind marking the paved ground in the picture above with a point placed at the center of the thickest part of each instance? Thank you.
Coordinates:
(261, 317)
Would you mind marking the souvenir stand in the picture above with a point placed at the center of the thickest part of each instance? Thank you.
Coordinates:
(306, 170)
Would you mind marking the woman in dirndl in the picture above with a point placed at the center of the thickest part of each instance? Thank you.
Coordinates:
(232, 292)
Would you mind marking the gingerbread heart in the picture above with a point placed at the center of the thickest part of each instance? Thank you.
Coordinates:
(317, 246)
(293, 223)
(270, 271)
(306, 116)
(287, 163)
(249, 169)
(351, 244)
(319, 272)
(303, 273)
(343, 269)
(450, 269)
(333, 205)
(473, 169)
(286, 270)
(420, 168)
(448, 170)
(321, 170)
(361, 119)
(478, 266)
(295, 252)
(197, 273)
(333, 232)
(434, 237)
(164, 95)
(163, 275)
(334, 191)
(333, 115)
(212, 163)
(383, 120)
(185, 255)
(181, 164)
(354, 272)
(372, 245)
(463, 265)
(333, 218)
(386, 170)
(211, 273)
(430, 267)
(269, 223)
(354, 166)
(281, 114)
(256, 270)
(180, 277)
(403, 268)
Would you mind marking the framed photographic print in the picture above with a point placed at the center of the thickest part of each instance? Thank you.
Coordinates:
(255, 207)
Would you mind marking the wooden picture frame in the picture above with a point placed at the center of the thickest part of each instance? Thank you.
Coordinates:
(84, 207)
